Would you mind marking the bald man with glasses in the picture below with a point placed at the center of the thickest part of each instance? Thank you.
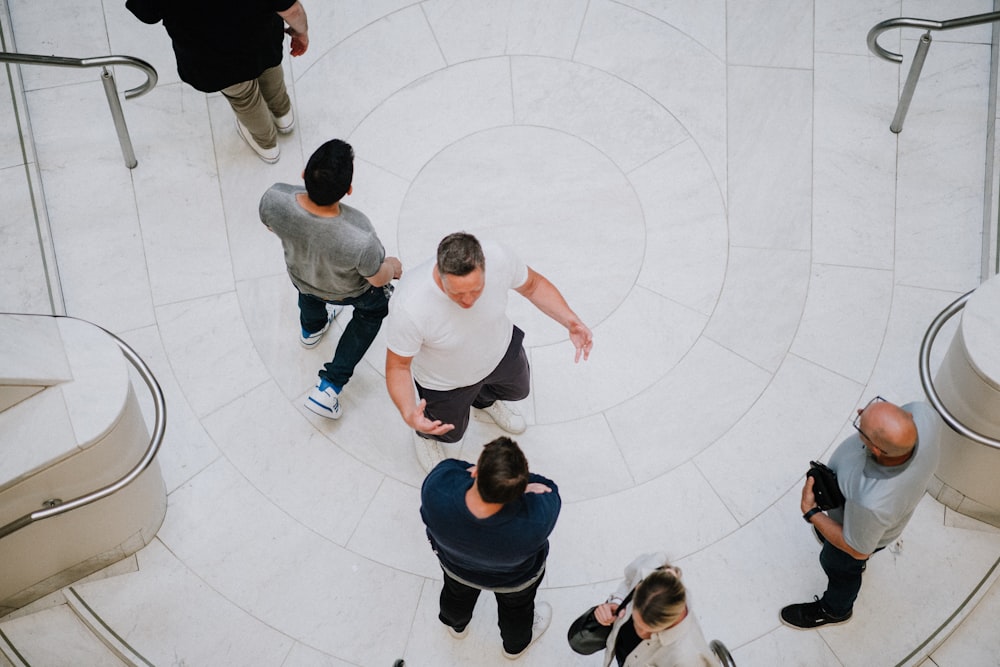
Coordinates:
(883, 471)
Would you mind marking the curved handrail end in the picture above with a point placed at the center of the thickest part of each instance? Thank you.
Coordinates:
(927, 383)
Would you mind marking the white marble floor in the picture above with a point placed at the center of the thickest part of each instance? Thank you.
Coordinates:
(713, 186)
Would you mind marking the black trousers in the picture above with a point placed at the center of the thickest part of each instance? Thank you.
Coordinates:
(509, 381)
(516, 611)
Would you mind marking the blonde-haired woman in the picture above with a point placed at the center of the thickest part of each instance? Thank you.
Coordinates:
(656, 628)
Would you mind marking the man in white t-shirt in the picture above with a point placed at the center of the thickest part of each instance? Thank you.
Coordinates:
(448, 332)
(883, 471)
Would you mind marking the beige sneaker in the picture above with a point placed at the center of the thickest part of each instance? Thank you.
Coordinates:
(543, 616)
(429, 452)
(269, 155)
(506, 417)
(285, 124)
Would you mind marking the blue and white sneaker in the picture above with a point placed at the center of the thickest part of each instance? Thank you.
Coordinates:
(324, 400)
(309, 340)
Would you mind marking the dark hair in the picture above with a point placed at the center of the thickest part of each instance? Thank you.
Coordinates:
(329, 172)
(501, 472)
(660, 598)
(460, 254)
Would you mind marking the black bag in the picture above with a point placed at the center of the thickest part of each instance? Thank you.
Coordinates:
(825, 486)
(586, 635)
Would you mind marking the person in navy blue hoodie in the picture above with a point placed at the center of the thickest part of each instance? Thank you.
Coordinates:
(489, 525)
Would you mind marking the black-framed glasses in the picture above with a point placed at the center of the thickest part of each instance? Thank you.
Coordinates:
(857, 417)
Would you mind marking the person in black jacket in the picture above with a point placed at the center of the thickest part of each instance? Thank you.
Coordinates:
(235, 47)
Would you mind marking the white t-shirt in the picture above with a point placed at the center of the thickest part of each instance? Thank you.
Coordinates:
(452, 346)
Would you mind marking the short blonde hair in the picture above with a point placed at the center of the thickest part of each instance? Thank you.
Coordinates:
(660, 598)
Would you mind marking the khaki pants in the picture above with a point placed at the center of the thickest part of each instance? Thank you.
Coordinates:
(258, 102)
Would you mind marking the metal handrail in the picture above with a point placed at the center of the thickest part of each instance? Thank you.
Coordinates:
(159, 426)
(722, 653)
(928, 384)
(922, 46)
(110, 88)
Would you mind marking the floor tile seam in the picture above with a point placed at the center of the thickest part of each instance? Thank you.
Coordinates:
(411, 630)
(221, 596)
(32, 171)
(415, 3)
(181, 484)
(226, 222)
(762, 66)
(691, 37)
(515, 122)
(756, 364)
(669, 149)
(618, 448)
(300, 523)
(933, 642)
(280, 507)
(361, 520)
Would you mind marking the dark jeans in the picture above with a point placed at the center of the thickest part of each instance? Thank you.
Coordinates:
(369, 310)
(509, 381)
(843, 573)
(516, 611)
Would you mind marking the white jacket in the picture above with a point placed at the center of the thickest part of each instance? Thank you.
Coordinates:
(683, 645)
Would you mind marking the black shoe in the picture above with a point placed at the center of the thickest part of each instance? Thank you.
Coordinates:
(809, 615)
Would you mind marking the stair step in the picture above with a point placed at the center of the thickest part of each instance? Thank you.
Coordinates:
(54, 637)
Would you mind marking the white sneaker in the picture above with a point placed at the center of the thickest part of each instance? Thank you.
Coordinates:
(269, 155)
(543, 615)
(285, 124)
(456, 634)
(506, 417)
(309, 340)
(429, 452)
(324, 401)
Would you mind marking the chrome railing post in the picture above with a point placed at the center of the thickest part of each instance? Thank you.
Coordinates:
(918, 59)
(911, 82)
(111, 91)
(110, 88)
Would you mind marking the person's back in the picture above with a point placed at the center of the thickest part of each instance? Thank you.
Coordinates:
(234, 47)
(324, 256)
(881, 499)
(489, 526)
(500, 550)
(218, 42)
(334, 258)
